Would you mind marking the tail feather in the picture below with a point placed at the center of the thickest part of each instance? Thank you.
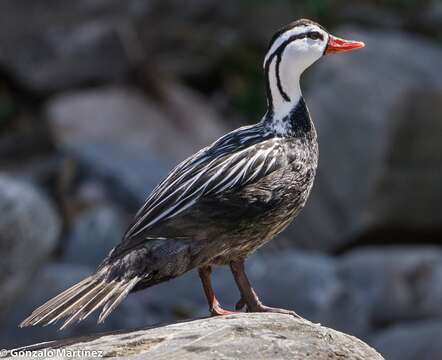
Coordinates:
(97, 303)
(52, 307)
(117, 299)
(95, 300)
(41, 310)
(82, 299)
(67, 308)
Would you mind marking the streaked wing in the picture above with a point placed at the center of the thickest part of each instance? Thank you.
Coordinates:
(237, 159)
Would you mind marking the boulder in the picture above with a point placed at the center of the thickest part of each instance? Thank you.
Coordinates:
(394, 284)
(49, 48)
(380, 165)
(29, 230)
(129, 139)
(411, 341)
(242, 336)
(93, 234)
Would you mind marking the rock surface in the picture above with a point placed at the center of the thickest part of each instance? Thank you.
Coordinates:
(241, 336)
(29, 230)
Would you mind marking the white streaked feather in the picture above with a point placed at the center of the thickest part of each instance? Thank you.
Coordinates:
(76, 315)
(228, 179)
(68, 309)
(187, 182)
(112, 304)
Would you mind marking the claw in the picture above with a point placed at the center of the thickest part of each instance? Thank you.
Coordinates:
(263, 308)
(219, 311)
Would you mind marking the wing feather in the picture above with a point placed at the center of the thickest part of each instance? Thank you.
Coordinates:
(234, 161)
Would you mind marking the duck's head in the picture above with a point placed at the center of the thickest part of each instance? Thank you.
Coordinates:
(291, 51)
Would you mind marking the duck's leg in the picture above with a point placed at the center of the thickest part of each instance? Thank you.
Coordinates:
(214, 307)
(248, 295)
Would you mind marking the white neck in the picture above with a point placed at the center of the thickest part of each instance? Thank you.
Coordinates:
(282, 100)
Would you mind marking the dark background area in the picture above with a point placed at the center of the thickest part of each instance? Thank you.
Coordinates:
(100, 98)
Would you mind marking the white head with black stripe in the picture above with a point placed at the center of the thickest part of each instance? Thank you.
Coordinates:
(291, 51)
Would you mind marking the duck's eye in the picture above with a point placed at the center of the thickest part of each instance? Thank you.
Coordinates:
(314, 35)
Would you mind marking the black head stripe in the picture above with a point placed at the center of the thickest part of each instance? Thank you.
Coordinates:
(278, 78)
(278, 54)
(279, 51)
(292, 25)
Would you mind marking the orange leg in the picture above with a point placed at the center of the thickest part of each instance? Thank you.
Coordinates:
(214, 307)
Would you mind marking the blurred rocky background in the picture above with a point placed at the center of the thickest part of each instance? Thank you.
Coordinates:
(100, 98)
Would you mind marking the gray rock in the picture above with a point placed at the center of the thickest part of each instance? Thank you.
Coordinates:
(50, 281)
(93, 234)
(245, 336)
(375, 112)
(413, 171)
(58, 46)
(192, 117)
(394, 284)
(415, 341)
(129, 139)
(307, 283)
(29, 230)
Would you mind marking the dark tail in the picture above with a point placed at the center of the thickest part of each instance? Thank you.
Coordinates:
(82, 299)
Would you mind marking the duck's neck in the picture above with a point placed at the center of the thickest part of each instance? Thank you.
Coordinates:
(287, 114)
(295, 122)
